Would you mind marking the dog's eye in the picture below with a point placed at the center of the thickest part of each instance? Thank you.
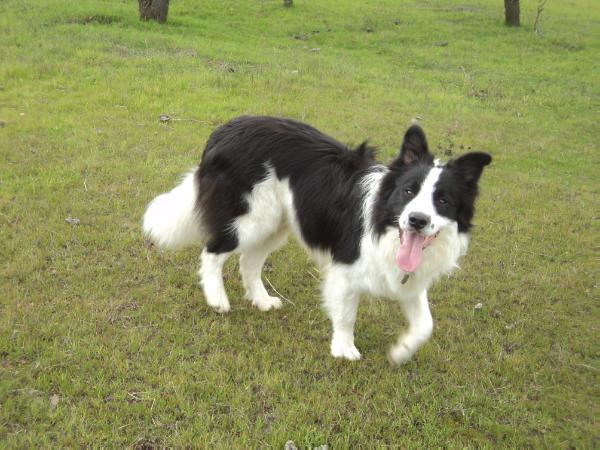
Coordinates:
(409, 192)
(442, 200)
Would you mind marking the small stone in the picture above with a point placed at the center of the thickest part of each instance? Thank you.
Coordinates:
(73, 220)
(164, 118)
(289, 445)
(54, 400)
(441, 44)
(478, 306)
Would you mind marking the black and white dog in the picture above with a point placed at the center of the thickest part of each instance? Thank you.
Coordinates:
(388, 231)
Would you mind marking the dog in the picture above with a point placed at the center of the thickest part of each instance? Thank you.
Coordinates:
(388, 231)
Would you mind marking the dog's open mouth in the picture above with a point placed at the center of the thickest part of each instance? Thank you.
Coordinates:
(410, 252)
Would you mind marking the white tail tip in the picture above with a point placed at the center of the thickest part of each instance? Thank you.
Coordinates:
(171, 220)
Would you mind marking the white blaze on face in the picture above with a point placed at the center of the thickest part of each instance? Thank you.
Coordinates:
(409, 255)
(424, 203)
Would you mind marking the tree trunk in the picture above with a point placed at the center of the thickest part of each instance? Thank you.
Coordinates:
(512, 13)
(154, 10)
(288, 3)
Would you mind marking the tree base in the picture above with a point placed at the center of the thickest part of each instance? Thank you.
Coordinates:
(512, 13)
(154, 10)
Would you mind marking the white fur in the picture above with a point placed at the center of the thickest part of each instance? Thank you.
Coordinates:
(171, 221)
(423, 203)
(377, 274)
(251, 264)
(341, 303)
(211, 279)
(265, 228)
(420, 327)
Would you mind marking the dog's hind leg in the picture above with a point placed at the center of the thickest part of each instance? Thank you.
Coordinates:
(341, 303)
(251, 264)
(211, 278)
(420, 327)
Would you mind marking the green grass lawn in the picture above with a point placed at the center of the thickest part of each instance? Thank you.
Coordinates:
(104, 341)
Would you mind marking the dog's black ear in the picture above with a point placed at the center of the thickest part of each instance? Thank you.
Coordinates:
(414, 148)
(471, 165)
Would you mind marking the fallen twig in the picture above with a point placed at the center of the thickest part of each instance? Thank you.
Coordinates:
(538, 18)
(312, 275)
(278, 293)
(205, 122)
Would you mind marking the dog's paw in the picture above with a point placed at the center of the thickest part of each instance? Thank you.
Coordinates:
(220, 305)
(346, 350)
(268, 303)
(399, 354)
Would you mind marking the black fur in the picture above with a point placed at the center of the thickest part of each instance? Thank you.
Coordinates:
(322, 172)
(407, 172)
(324, 176)
(457, 186)
(455, 191)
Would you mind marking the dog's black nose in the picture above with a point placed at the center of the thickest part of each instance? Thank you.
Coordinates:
(418, 221)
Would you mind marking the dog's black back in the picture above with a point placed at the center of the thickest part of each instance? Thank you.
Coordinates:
(323, 175)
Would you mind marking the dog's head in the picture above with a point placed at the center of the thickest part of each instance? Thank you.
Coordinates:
(422, 197)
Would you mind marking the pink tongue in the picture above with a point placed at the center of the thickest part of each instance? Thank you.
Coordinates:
(409, 253)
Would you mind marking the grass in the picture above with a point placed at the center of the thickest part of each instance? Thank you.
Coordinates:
(106, 342)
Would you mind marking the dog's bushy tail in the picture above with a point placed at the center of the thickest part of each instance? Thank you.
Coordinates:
(171, 220)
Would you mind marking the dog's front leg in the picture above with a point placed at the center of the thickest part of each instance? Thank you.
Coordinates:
(341, 303)
(420, 326)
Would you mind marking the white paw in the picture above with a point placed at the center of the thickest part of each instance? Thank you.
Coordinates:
(220, 305)
(267, 303)
(398, 354)
(347, 350)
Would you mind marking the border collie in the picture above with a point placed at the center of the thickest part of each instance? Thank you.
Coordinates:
(388, 231)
